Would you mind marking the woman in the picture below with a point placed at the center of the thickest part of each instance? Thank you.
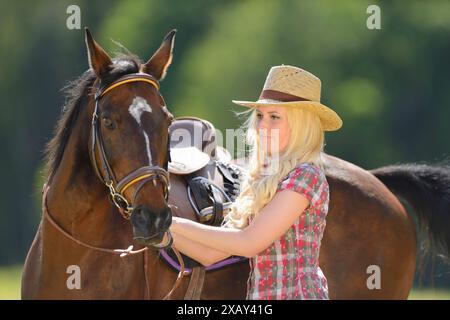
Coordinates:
(278, 219)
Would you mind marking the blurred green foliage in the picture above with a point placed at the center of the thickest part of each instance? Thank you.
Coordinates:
(390, 86)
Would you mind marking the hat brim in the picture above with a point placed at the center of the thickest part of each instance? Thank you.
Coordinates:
(329, 118)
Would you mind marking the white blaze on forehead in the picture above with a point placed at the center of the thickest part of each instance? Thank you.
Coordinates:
(137, 109)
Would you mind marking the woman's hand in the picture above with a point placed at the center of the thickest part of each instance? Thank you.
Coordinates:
(174, 225)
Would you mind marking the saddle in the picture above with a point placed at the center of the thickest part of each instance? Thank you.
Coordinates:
(194, 156)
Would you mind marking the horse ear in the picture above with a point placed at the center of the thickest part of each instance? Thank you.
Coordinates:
(158, 64)
(99, 60)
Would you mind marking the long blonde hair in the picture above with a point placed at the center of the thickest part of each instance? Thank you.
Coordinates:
(306, 144)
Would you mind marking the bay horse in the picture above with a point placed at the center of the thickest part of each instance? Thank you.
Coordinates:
(367, 225)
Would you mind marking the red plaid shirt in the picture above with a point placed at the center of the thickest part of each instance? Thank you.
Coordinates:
(289, 268)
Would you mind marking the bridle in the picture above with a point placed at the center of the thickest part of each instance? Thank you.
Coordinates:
(117, 189)
(106, 174)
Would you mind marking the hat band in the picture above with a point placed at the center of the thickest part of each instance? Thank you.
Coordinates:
(280, 96)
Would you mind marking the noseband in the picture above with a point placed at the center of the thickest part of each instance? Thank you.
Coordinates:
(106, 174)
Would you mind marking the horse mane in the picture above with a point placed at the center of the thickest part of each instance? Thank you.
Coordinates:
(75, 92)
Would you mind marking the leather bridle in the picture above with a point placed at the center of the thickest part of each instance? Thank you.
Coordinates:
(117, 189)
(106, 174)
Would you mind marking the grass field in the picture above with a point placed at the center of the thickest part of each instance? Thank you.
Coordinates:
(10, 282)
(10, 287)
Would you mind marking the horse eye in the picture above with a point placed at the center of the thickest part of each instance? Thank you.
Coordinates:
(107, 122)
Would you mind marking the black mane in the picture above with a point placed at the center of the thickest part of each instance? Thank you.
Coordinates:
(75, 92)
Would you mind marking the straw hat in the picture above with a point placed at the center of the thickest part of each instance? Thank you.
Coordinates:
(292, 86)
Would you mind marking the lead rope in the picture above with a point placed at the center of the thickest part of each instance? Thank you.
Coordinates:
(122, 252)
(180, 276)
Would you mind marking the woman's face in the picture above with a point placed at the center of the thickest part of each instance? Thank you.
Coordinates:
(273, 128)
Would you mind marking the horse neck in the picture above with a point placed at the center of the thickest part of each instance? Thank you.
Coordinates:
(77, 200)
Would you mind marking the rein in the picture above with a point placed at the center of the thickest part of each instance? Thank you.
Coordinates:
(117, 188)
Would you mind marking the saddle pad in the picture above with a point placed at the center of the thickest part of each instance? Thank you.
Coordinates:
(169, 257)
(187, 160)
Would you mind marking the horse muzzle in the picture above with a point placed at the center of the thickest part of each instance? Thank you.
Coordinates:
(150, 227)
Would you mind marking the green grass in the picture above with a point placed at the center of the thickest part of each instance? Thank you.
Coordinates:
(10, 287)
(10, 282)
(429, 294)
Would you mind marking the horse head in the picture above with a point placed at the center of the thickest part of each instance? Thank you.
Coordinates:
(129, 137)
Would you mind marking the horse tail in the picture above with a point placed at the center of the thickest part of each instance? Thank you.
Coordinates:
(426, 188)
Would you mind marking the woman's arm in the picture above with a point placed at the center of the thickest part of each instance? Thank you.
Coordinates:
(269, 225)
(197, 251)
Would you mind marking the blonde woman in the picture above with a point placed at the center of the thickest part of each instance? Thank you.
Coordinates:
(278, 219)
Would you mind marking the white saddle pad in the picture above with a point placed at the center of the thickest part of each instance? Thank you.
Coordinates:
(187, 160)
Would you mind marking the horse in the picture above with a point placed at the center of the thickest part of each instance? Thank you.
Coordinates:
(116, 121)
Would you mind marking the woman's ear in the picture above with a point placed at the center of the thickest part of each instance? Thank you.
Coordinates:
(99, 60)
(158, 64)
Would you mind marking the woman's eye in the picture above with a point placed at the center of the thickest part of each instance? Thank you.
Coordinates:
(275, 117)
(108, 123)
(259, 116)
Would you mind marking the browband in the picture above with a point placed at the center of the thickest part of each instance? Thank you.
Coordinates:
(133, 77)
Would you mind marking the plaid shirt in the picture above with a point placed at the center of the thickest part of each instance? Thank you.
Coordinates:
(289, 268)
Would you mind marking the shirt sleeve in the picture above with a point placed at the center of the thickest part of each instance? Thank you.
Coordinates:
(306, 180)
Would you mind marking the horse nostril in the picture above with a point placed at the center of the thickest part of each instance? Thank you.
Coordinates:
(168, 221)
(140, 219)
(150, 223)
(140, 215)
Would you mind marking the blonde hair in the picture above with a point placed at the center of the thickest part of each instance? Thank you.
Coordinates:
(306, 144)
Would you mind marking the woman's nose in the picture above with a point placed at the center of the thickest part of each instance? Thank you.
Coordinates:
(262, 125)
